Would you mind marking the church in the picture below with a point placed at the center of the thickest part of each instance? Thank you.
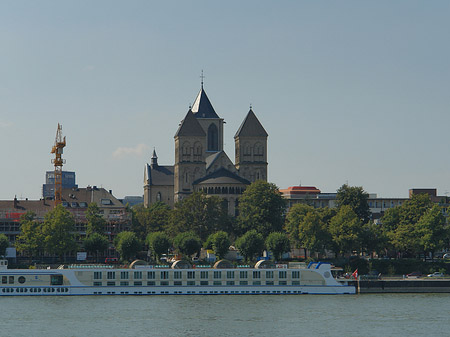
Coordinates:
(201, 163)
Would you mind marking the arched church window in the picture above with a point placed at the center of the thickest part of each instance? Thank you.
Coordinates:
(158, 196)
(197, 151)
(258, 150)
(247, 150)
(213, 138)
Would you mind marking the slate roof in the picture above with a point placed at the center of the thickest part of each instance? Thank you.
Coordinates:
(222, 176)
(251, 127)
(190, 127)
(160, 175)
(202, 107)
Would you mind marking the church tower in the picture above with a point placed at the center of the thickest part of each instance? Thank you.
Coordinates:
(251, 149)
(210, 122)
(190, 145)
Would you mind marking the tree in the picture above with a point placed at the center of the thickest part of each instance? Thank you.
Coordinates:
(294, 217)
(356, 198)
(127, 244)
(431, 230)
(220, 243)
(4, 243)
(187, 243)
(313, 231)
(199, 213)
(30, 239)
(278, 243)
(251, 244)
(95, 221)
(58, 229)
(400, 224)
(158, 243)
(150, 219)
(345, 228)
(96, 243)
(262, 208)
(372, 238)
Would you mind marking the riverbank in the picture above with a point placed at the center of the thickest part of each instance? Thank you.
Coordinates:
(392, 285)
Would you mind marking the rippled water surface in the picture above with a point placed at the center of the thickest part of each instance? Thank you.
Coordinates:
(232, 315)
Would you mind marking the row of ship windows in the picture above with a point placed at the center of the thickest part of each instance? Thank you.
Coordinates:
(194, 283)
(204, 292)
(35, 290)
(164, 275)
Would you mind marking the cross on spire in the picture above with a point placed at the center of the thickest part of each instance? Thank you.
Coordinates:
(202, 77)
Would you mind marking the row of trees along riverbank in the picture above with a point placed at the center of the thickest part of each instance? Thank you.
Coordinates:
(417, 227)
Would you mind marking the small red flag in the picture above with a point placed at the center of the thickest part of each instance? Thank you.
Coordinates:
(355, 274)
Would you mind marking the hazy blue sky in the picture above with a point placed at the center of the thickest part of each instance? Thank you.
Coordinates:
(355, 91)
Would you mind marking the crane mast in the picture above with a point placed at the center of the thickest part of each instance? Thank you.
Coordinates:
(57, 149)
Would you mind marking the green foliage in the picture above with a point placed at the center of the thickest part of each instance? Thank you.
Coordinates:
(127, 244)
(250, 245)
(30, 239)
(151, 219)
(158, 243)
(200, 214)
(220, 243)
(4, 243)
(57, 230)
(187, 243)
(294, 217)
(372, 238)
(416, 226)
(261, 208)
(431, 231)
(278, 243)
(356, 198)
(96, 243)
(313, 231)
(345, 228)
(95, 221)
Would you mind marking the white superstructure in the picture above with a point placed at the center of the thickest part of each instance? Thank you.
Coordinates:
(150, 280)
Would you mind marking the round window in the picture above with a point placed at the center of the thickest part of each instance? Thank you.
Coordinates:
(327, 274)
(21, 279)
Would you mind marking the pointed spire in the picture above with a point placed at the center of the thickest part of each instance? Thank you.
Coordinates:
(251, 127)
(190, 126)
(202, 107)
(154, 160)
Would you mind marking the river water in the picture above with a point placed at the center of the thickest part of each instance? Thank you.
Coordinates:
(228, 315)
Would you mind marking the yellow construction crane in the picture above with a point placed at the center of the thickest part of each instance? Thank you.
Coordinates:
(57, 149)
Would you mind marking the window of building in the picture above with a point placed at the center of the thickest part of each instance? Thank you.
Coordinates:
(191, 274)
(111, 275)
(230, 274)
(97, 275)
(213, 138)
(137, 283)
(158, 196)
(124, 283)
(97, 284)
(177, 275)
(257, 274)
(296, 274)
(217, 274)
(137, 275)
(269, 274)
(164, 275)
(203, 274)
(282, 274)
(124, 275)
(243, 274)
(151, 275)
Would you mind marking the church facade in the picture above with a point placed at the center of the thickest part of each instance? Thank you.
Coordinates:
(201, 163)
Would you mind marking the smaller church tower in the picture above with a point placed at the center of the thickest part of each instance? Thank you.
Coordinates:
(251, 149)
(190, 144)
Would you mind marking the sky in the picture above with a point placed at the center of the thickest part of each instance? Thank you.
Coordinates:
(353, 92)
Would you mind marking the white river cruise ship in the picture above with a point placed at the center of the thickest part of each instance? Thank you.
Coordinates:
(179, 279)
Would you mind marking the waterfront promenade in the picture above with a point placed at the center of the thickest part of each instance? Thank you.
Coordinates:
(401, 285)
